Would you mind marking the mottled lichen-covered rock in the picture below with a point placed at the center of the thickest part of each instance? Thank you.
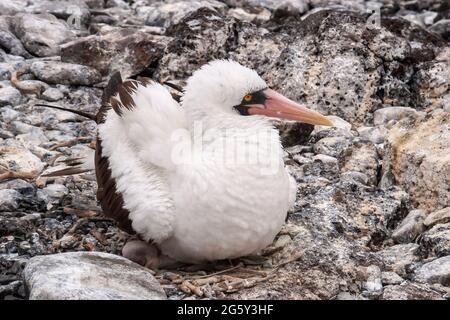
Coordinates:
(200, 37)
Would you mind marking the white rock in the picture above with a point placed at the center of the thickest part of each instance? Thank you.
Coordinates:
(89, 276)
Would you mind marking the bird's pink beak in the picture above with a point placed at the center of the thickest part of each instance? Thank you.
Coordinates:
(278, 106)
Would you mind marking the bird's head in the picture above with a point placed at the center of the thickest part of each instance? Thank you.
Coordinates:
(224, 86)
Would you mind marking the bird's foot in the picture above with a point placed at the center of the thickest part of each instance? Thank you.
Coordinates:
(147, 255)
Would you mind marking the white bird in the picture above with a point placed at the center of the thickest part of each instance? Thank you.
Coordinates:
(202, 181)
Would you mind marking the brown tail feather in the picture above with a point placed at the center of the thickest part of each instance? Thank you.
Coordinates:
(80, 113)
(66, 172)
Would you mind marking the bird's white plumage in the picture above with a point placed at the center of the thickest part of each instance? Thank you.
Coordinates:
(202, 207)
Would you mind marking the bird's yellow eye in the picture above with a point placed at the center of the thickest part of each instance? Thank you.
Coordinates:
(248, 98)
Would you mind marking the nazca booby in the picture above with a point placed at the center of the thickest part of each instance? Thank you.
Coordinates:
(201, 206)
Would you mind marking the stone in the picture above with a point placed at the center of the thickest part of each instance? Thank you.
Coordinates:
(11, 7)
(442, 27)
(373, 285)
(439, 216)
(52, 94)
(398, 257)
(362, 157)
(291, 7)
(412, 226)
(41, 34)
(8, 39)
(9, 200)
(385, 115)
(410, 291)
(9, 96)
(436, 271)
(75, 12)
(199, 36)
(19, 159)
(417, 159)
(65, 73)
(163, 14)
(248, 16)
(332, 146)
(375, 135)
(436, 241)
(390, 278)
(55, 191)
(89, 276)
(125, 50)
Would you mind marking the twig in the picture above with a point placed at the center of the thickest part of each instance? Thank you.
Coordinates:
(8, 174)
(82, 221)
(69, 143)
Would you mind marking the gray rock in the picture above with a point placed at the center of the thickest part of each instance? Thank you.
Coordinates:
(41, 34)
(89, 275)
(126, 50)
(293, 7)
(75, 12)
(332, 146)
(163, 14)
(199, 36)
(385, 115)
(9, 200)
(437, 240)
(398, 257)
(410, 227)
(390, 278)
(56, 191)
(436, 271)
(52, 94)
(375, 135)
(355, 176)
(9, 96)
(8, 114)
(442, 27)
(65, 73)
(23, 187)
(8, 40)
(410, 291)
(439, 216)
(362, 157)
(11, 7)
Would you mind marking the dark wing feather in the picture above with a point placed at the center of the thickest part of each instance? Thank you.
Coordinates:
(110, 199)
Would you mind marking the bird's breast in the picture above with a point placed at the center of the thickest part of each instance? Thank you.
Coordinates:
(226, 211)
